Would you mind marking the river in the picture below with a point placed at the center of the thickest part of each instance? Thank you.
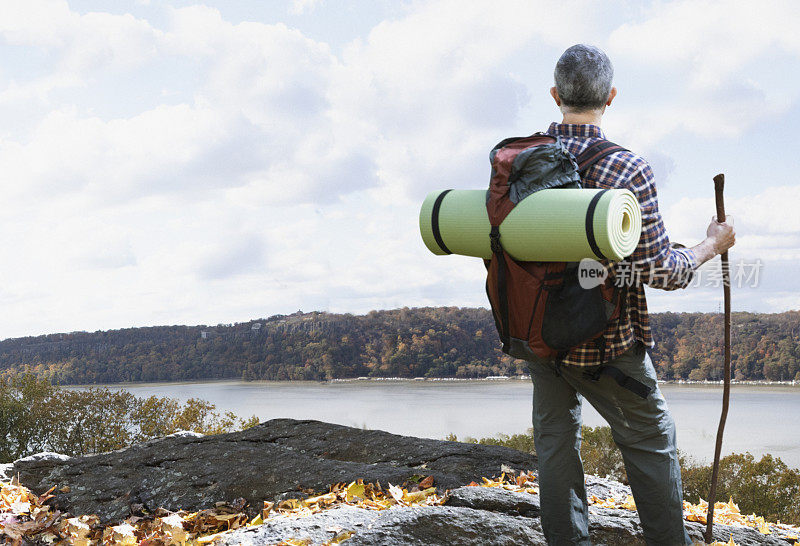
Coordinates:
(762, 418)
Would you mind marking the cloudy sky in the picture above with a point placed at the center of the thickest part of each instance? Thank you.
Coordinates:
(198, 162)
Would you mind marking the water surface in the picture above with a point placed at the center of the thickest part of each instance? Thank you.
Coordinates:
(762, 418)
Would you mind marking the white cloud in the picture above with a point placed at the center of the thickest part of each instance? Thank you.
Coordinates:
(707, 59)
(106, 248)
(78, 44)
(299, 7)
(274, 173)
(258, 120)
(767, 240)
(435, 89)
(232, 255)
(768, 216)
(713, 48)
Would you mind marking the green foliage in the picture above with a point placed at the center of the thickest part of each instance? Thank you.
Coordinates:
(424, 342)
(599, 453)
(520, 442)
(37, 416)
(767, 487)
(91, 421)
(23, 418)
(199, 416)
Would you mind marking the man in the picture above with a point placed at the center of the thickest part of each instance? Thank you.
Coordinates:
(642, 428)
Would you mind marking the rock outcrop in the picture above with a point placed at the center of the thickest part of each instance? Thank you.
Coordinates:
(273, 461)
(472, 515)
(281, 458)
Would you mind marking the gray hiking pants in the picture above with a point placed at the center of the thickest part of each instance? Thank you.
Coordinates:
(642, 428)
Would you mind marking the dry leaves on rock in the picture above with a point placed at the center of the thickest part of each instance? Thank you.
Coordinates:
(724, 513)
(727, 513)
(525, 482)
(24, 514)
(370, 496)
(626, 503)
(24, 518)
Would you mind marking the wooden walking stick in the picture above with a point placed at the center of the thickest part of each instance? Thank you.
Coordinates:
(719, 183)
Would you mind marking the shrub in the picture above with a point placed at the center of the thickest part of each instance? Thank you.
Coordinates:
(767, 487)
(520, 442)
(37, 416)
(599, 453)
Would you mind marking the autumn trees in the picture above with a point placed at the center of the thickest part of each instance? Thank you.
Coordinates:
(424, 342)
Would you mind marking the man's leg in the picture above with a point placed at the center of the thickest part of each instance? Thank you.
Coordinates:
(645, 433)
(557, 437)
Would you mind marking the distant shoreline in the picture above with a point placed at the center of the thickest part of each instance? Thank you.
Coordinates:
(490, 379)
(527, 378)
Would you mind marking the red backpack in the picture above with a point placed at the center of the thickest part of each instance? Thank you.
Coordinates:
(539, 308)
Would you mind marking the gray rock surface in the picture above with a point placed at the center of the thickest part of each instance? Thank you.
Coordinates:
(272, 461)
(275, 459)
(473, 515)
(398, 526)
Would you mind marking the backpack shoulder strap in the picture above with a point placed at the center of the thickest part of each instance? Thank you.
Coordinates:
(595, 153)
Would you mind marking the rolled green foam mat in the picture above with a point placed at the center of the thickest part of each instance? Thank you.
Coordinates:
(549, 225)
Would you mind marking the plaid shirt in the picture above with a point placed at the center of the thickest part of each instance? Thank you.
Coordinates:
(653, 262)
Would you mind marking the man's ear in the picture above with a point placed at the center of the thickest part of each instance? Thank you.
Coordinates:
(554, 94)
(611, 96)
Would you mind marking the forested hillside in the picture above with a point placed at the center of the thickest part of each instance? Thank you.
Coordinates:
(425, 342)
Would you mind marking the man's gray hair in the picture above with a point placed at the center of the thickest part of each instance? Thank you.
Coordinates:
(583, 78)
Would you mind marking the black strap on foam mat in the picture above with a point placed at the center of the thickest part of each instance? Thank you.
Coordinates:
(590, 224)
(437, 234)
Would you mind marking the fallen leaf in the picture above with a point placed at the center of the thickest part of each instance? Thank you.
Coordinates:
(355, 490)
(341, 537)
(396, 493)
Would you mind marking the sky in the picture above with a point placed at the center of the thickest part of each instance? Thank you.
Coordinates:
(205, 162)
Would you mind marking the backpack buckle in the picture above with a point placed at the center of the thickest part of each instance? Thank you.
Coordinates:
(494, 238)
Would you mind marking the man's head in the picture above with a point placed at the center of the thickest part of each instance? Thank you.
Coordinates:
(583, 77)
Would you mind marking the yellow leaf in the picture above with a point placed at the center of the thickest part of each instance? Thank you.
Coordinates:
(341, 537)
(298, 541)
(418, 496)
(629, 504)
(258, 520)
(354, 490)
(322, 499)
(172, 526)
